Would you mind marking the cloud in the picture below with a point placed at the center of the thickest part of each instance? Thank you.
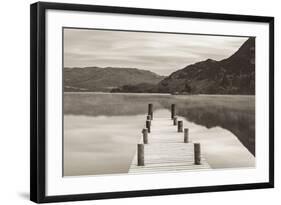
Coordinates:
(158, 52)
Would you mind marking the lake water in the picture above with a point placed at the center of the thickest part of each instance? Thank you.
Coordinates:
(101, 130)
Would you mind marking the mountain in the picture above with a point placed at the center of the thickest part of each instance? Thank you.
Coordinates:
(106, 79)
(234, 75)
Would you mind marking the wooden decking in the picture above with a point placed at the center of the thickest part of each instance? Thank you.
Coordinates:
(166, 150)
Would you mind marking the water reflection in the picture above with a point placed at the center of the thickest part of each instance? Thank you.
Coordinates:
(234, 113)
(239, 123)
(100, 145)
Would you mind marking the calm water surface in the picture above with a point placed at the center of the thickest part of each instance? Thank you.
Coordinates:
(101, 130)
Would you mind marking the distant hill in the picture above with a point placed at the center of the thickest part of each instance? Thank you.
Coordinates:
(106, 79)
(234, 75)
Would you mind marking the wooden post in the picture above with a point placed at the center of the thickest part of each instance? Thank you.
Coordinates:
(148, 117)
(140, 155)
(150, 110)
(173, 111)
(175, 120)
(180, 125)
(186, 135)
(148, 125)
(144, 135)
(197, 154)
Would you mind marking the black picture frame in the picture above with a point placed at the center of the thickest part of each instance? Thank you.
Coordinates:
(38, 101)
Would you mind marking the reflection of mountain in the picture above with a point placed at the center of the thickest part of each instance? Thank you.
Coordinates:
(234, 113)
(234, 75)
(241, 124)
(105, 79)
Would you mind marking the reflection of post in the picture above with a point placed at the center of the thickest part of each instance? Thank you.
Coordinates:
(144, 135)
(197, 154)
(175, 120)
(148, 124)
(180, 126)
(140, 155)
(150, 110)
(173, 111)
(185, 135)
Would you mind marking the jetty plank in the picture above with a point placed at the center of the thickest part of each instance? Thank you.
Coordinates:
(167, 151)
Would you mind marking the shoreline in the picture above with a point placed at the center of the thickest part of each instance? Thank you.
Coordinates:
(167, 94)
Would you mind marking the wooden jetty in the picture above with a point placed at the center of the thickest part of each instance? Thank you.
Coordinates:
(165, 146)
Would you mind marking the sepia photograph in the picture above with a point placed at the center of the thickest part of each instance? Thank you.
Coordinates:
(134, 102)
(138, 102)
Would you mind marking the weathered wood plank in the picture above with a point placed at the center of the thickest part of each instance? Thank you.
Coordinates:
(167, 150)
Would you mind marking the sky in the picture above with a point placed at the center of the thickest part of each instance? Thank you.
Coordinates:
(161, 53)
